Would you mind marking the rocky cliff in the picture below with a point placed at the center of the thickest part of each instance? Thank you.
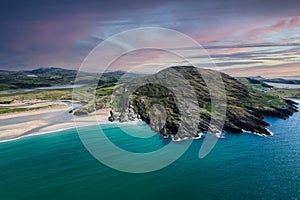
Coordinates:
(177, 101)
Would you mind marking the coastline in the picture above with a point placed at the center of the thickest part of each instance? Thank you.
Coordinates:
(295, 100)
(57, 118)
(17, 125)
(48, 132)
(66, 127)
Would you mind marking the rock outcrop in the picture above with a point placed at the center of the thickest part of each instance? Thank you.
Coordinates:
(124, 116)
(186, 110)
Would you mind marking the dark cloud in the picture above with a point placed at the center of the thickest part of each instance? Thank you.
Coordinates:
(40, 33)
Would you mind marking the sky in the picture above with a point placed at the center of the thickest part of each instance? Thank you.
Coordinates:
(243, 38)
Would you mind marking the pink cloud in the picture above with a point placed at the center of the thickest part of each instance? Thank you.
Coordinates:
(288, 69)
(281, 25)
(228, 51)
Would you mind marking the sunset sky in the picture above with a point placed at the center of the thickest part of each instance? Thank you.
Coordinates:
(244, 38)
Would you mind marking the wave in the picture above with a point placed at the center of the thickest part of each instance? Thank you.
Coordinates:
(35, 134)
(68, 128)
(262, 135)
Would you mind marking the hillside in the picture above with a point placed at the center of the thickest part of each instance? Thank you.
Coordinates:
(45, 77)
(246, 108)
(259, 79)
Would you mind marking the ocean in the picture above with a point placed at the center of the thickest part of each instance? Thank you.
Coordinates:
(245, 166)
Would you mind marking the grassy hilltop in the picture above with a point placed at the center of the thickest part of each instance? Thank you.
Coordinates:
(246, 107)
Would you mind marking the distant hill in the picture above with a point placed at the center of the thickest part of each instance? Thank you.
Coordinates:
(281, 80)
(44, 77)
(259, 79)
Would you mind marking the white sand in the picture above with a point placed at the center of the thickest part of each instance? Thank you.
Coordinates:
(56, 117)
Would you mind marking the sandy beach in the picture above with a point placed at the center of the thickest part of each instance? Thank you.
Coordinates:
(52, 117)
(56, 117)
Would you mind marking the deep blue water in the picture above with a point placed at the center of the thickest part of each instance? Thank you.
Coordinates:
(247, 166)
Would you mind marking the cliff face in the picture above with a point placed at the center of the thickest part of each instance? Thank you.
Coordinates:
(158, 106)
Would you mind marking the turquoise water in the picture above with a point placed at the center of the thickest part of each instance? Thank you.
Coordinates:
(57, 166)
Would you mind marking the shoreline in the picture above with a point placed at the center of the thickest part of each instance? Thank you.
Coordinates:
(17, 125)
(67, 128)
(296, 100)
(100, 117)
(50, 131)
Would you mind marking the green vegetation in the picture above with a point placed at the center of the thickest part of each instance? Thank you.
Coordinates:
(94, 101)
(247, 101)
(62, 94)
(246, 105)
(208, 106)
(104, 91)
(85, 96)
(281, 80)
(271, 95)
(259, 98)
(286, 93)
(13, 110)
(248, 84)
(45, 77)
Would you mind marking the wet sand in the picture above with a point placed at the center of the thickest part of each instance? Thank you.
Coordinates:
(56, 117)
